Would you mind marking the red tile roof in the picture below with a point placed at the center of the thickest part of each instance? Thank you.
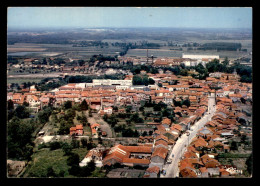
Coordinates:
(154, 169)
(161, 152)
(135, 160)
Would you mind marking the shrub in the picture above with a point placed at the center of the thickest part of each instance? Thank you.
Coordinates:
(55, 145)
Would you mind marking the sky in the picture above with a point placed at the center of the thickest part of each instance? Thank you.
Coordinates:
(89, 17)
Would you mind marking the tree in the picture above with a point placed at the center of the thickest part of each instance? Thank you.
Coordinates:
(200, 68)
(55, 145)
(75, 143)
(243, 100)
(91, 165)
(64, 128)
(61, 173)
(128, 109)
(73, 159)
(213, 66)
(144, 133)
(50, 172)
(67, 149)
(249, 163)
(84, 142)
(68, 105)
(186, 102)
(19, 139)
(26, 104)
(21, 112)
(137, 80)
(176, 103)
(10, 104)
(75, 170)
(234, 145)
(151, 81)
(44, 115)
(84, 105)
(84, 120)
(184, 72)
(225, 62)
(243, 138)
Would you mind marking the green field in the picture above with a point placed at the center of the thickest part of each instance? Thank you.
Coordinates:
(44, 158)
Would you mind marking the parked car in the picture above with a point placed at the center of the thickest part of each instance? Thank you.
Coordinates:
(164, 172)
(169, 161)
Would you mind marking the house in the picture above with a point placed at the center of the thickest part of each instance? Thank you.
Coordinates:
(94, 154)
(94, 129)
(128, 155)
(152, 172)
(199, 143)
(145, 139)
(188, 172)
(17, 97)
(108, 110)
(161, 143)
(227, 134)
(213, 171)
(77, 131)
(159, 155)
(204, 172)
(32, 89)
(131, 162)
(34, 101)
(209, 162)
(166, 122)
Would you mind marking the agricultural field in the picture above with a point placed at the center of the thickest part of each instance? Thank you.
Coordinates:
(154, 52)
(22, 80)
(61, 50)
(176, 53)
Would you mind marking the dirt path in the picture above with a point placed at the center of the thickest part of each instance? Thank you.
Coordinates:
(98, 119)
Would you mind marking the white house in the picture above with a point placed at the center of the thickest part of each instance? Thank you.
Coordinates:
(108, 110)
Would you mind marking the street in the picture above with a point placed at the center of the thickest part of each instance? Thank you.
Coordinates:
(184, 141)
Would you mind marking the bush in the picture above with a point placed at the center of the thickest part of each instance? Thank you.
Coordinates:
(84, 142)
(66, 149)
(41, 146)
(67, 105)
(50, 172)
(73, 159)
(75, 143)
(55, 145)
(75, 170)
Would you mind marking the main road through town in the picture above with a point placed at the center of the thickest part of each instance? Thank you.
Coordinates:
(172, 170)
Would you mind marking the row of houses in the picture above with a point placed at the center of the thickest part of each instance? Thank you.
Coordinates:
(200, 158)
(103, 94)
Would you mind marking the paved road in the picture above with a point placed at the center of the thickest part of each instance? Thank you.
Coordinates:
(181, 144)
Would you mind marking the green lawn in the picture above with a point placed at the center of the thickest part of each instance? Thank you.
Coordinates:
(44, 158)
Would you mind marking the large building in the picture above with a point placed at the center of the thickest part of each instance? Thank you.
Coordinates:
(112, 82)
(195, 59)
(200, 57)
(128, 155)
